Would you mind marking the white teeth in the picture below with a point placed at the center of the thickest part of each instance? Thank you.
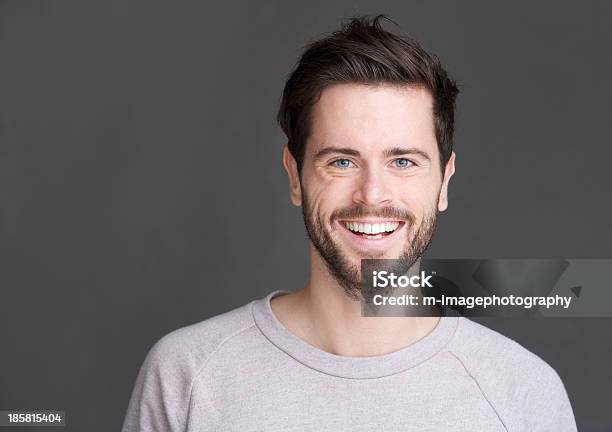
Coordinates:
(373, 229)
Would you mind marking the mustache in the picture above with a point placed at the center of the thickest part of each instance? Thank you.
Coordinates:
(356, 212)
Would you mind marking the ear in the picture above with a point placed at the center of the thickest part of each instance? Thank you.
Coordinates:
(449, 170)
(295, 188)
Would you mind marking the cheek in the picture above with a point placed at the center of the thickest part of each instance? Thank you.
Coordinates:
(327, 195)
(315, 198)
(419, 197)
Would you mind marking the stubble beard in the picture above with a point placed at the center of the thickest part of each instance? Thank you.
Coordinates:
(344, 272)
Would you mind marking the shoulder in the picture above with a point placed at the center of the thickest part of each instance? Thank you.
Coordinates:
(522, 387)
(482, 349)
(162, 393)
(192, 345)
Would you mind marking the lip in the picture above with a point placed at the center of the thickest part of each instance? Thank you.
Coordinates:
(364, 244)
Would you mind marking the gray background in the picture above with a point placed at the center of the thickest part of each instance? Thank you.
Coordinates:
(142, 187)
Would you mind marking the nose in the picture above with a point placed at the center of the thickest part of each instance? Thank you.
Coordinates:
(372, 189)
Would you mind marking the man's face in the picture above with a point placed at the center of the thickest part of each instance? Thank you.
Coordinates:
(371, 183)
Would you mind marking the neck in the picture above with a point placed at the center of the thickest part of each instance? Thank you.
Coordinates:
(323, 315)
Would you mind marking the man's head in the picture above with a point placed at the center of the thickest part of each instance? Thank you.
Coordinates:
(369, 119)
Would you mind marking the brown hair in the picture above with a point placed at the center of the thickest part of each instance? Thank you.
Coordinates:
(364, 52)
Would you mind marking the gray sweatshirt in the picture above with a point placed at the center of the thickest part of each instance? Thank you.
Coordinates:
(244, 371)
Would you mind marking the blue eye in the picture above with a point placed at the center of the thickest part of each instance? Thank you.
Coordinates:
(403, 163)
(342, 163)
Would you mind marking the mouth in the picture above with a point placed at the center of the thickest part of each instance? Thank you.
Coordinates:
(372, 230)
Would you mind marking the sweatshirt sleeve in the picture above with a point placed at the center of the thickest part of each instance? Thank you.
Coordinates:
(161, 395)
(526, 392)
(560, 416)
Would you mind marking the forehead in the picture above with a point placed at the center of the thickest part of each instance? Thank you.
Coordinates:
(373, 117)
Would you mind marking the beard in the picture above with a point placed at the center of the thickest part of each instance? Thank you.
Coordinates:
(347, 274)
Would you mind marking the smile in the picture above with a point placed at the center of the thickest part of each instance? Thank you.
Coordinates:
(372, 230)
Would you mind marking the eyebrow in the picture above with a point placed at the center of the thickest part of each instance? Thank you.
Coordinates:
(395, 151)
(335, 150)
(400, 151)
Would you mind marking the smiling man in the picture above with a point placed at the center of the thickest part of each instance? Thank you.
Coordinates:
(369, 118)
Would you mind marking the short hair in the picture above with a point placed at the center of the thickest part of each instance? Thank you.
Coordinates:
(363, 52)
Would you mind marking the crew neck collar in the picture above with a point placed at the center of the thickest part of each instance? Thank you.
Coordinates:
(350, 367)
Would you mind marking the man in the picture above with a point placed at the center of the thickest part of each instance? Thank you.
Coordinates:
(369, 119)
